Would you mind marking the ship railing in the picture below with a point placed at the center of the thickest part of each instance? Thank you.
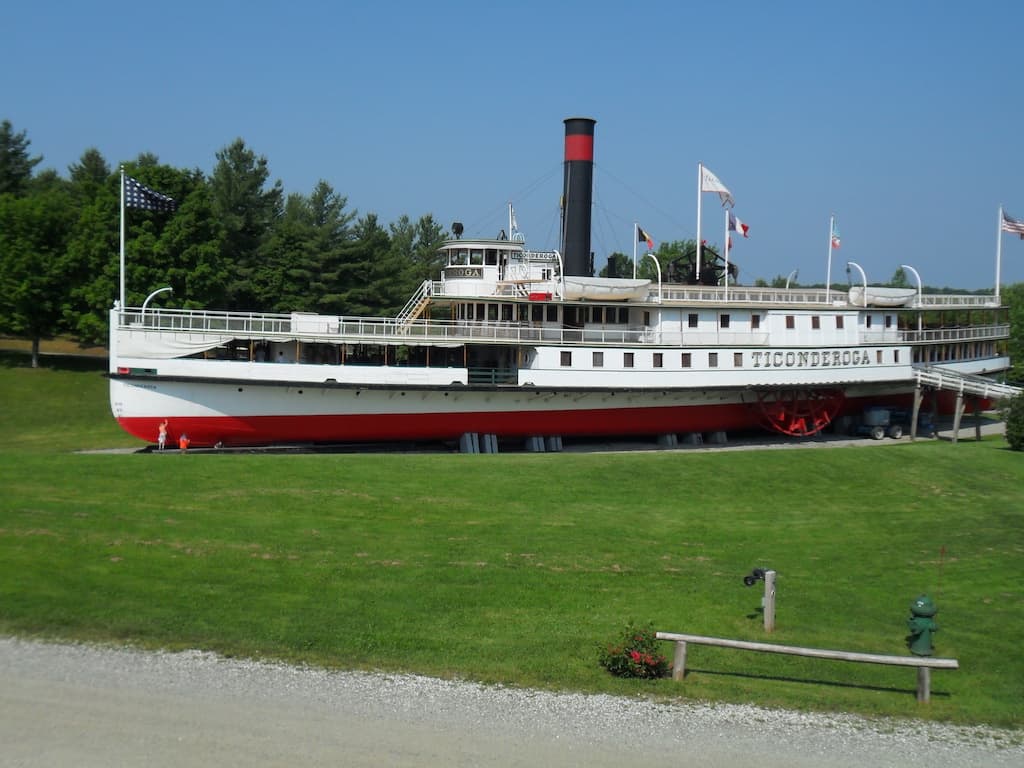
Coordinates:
(698, 294)
(967, 333)
(934, 335)
(204, 321)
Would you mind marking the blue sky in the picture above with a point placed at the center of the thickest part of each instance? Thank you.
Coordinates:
(902, 118)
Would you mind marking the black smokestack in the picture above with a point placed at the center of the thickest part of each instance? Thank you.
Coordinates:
(577, 191)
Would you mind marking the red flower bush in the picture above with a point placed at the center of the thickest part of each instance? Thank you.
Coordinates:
(636, 655)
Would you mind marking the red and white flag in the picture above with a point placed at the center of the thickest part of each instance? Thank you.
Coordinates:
(1013, 225)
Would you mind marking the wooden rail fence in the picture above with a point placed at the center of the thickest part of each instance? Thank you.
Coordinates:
(924, 664)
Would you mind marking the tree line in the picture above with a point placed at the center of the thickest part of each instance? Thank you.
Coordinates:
(236, 241)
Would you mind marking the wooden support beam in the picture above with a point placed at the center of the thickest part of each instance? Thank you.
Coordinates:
(918, 396)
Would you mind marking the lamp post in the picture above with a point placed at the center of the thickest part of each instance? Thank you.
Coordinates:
(918, 278)
(142, 314)
(863, 277)
(658, 265)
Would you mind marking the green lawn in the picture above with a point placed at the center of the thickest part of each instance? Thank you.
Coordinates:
(514, 568)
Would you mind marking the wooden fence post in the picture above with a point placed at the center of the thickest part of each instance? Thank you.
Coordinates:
(924, 685)
(679, 661)
(769, 601)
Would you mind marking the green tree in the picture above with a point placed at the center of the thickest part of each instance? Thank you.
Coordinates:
(371, 276)
(899, 279)
(619, 265)
(89, 175)
(33, 282)
(247, 211)
(1013, 415)
(15, 163)
(418, 243)
(1013, 297)
(189, 255)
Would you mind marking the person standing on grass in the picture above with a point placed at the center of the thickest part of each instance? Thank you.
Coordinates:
(183, 442)
(161, 438)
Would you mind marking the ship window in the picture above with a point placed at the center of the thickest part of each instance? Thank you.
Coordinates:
(712, 359)
(491, 257)
(723, 321)
(867, 321)
(737, 359)
(566, 358)
(686, 361)
(524, 313)
(480, 312)
(692, 320)
(476, 256)
(552, 313)
(755, 322)
(598, 359)
(839, 322)
(647, 318)
(623, 315)
(878, 356)
(888, 321)
(895, 355)
(461, 258)
(658, 360)
(790, 322)
(537, 313)
(492, 312)
(597, 314)
(506, 312)
(627, 359)
(815, 322)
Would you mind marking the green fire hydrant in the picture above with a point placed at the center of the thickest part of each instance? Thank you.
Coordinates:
(922, 626)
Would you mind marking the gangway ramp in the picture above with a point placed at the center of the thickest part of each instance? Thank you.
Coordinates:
(964, 384)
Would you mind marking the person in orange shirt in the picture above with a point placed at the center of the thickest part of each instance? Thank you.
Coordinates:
(183, 442)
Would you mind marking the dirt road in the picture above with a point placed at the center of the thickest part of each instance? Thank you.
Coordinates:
(73, 705)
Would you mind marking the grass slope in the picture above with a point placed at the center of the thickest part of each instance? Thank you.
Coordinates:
(513, 568)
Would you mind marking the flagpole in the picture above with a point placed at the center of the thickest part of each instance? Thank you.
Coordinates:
(999, 250)
(636, 239)
(700, 176)
(828, 271)
(121, 269)
(727, 255)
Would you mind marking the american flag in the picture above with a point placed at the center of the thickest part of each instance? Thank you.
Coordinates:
(1012, 225)
(137, 195)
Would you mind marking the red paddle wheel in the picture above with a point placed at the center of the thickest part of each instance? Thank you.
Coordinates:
(798, 412)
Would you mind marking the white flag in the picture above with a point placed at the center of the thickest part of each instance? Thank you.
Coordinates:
(710, 183)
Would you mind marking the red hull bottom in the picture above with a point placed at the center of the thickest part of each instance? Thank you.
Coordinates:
(240, 431)
(267, 430)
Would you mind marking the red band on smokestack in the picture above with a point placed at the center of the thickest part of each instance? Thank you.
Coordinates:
(579, 147)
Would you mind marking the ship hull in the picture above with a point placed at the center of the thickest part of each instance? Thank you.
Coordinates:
(245, 414)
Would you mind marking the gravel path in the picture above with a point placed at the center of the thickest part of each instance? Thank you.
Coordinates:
(78, 705)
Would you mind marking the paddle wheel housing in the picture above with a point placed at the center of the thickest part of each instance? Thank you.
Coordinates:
(798, 412)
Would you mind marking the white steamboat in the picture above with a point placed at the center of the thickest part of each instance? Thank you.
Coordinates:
(510, 343)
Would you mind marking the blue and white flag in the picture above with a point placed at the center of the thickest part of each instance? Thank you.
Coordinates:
(138, 195)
